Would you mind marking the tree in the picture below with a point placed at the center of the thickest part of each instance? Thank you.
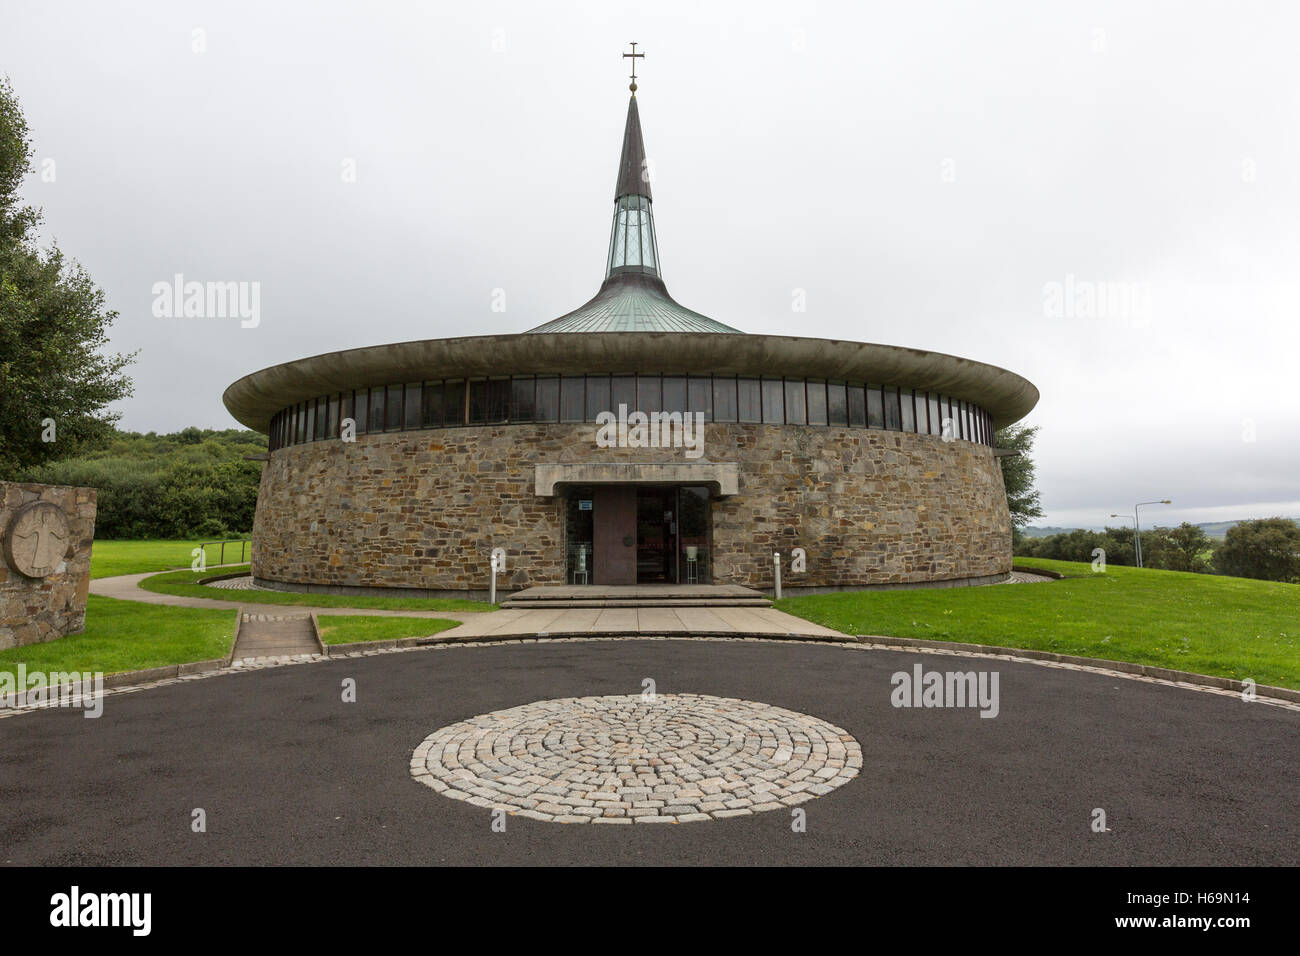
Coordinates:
(1018, 475)
(55, 383)
(1176, 549)
(1268, 549)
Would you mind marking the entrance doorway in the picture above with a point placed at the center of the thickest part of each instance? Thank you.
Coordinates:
(656, 535)
(638, 534)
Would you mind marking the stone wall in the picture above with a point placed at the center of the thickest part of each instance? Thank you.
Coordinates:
(46, 606)
(424, 509)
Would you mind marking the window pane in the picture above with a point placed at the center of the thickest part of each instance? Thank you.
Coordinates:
(945, 409)
(522, 392)
(795, 412)
(377, 409)
(453, 402)
(332, 417)
(909, 413)
(597, 396)
(361, 411)
(393, 416)
(622, 392)
(674, 393)
(311, 421)
(498, 400)
(749, 400)
(701, 396)
(432, 402)
(548, 399)
(322, 418)
(875, 407)
(572, 398)
(837, 398)
(478, 401)
(936, 425)
(817, 403)
(649, 394)
(857, 406)
(773, 404)
(893, 417)
(411, 404)
(724, 400)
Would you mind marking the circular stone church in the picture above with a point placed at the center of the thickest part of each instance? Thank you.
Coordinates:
(631, 441)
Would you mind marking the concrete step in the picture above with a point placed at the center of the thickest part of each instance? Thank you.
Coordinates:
(539, 604)
(275, 635)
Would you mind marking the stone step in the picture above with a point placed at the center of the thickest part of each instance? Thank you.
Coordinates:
(538, 604)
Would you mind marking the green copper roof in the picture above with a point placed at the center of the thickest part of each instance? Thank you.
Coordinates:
(633, 297)
(633, 303)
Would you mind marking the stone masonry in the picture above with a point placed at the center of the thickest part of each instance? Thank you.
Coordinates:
(424, 509)
(36, 609)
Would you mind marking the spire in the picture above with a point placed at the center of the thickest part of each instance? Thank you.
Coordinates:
(633, 175)
(632, 245)
(633, 297)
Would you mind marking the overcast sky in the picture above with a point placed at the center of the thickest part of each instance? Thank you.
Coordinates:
(958, 177)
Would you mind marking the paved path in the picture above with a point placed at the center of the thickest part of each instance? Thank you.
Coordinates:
(287, 773)
(553, 622)
(694, 621)
(126, 587)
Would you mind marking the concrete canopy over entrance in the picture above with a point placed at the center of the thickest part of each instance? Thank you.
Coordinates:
(721, 478)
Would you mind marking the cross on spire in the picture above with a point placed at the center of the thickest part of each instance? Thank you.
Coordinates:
(634, 55)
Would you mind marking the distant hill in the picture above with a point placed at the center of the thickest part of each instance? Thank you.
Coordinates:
(1048, 530)
(1212, 529)
(1217, 529)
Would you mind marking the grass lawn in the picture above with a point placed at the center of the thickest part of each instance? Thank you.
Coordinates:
(351, 628)
(126, 636)
(110, 558)
(1227, 627)
(183, 584)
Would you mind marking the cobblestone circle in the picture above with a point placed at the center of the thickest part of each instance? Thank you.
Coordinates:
(235, 584)
(671, 758)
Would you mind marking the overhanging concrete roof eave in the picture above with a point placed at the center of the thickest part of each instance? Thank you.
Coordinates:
(256, 397)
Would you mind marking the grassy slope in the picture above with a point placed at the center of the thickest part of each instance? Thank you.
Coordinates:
(1229, 627)
(183, 584)
(111, 558)
(349, 628)
(125, 636)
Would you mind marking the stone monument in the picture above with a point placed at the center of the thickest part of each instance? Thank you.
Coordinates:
(46, 533)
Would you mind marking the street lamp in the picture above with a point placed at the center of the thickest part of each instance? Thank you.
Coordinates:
(1135, 534)
(1137, 527)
